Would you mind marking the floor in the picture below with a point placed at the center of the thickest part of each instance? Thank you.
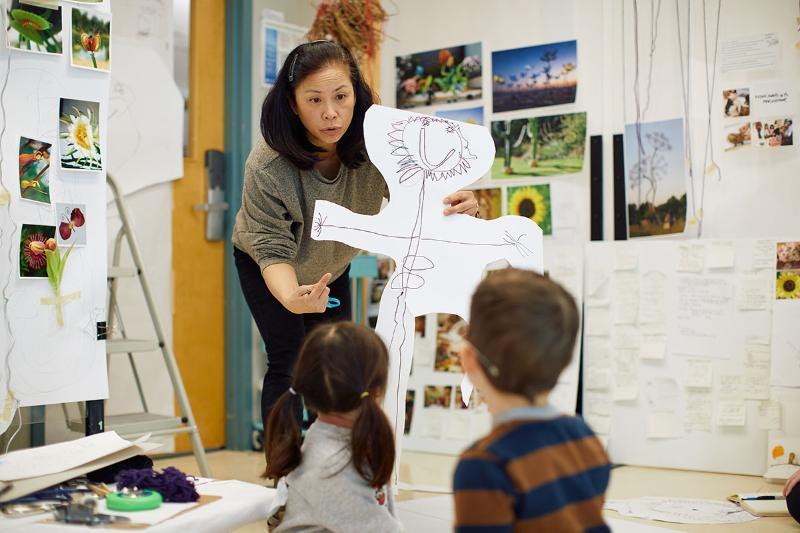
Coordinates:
(434, 472)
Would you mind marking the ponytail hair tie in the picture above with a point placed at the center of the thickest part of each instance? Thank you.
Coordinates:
(292, 391)
(364, 394)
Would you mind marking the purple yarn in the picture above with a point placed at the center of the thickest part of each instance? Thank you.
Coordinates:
(174, 485)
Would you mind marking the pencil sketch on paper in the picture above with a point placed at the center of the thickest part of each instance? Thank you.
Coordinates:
(440, 259)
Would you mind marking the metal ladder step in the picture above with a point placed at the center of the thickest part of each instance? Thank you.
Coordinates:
(115, 272)
(131, 345)
(135, 424)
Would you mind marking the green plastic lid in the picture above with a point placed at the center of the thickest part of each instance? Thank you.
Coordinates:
(133, 500)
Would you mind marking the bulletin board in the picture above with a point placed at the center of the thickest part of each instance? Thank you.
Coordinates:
(687, 350)
(46, 99)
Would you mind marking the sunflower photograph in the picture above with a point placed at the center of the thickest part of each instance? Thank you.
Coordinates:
(34, 170)
(787, 285)
(91, 40)
(533, 202)
(33, 28)
(79, 135)
(34, 241)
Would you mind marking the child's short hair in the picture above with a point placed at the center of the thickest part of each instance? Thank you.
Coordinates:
(341, 367)
(525, 325)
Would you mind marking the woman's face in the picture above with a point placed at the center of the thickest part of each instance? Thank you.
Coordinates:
(324, 102)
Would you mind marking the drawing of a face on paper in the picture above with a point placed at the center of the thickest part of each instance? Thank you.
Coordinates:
(446, 154)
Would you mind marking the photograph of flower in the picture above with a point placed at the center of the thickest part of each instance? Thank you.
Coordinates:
(788, 256)
(787, 285)
(474, 399)
(450, 330)
(79, 132)
(534, 76)
(71, 224)
(410, 394)
(737, 102)
(438, 395)
(91, 39)
(34, 241)
(533, 202)
(489, 203)
(656, 177)
(471, 115)
(777, 132)
(34, 28)
(736, 136)
(34, 170)
(539, 146)
(439, 76)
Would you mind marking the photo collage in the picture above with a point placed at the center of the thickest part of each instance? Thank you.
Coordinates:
(529, 151)
(83, 34)
(757, 116)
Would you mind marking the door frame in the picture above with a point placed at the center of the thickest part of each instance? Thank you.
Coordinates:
(238, 322)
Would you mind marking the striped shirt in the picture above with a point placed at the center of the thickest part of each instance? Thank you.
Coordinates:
(536, 470)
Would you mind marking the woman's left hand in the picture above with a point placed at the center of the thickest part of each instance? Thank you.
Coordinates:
(463, 202)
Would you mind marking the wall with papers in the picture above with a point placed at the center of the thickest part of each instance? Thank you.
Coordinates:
(688, 349)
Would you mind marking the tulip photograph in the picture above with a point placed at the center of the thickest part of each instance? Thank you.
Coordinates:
(79, 135)
(33, 28)
(71, 224)
(91, 39)
(34, 241)
(34, 167)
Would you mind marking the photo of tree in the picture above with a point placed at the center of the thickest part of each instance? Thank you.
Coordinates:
(540, 146)
(656, 178)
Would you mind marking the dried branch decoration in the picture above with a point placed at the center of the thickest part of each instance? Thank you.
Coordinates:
(356, 24)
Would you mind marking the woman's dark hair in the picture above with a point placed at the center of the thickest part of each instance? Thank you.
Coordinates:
(282, 128)
(337, 364)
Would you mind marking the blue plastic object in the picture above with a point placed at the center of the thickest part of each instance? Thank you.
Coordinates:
(333, 302)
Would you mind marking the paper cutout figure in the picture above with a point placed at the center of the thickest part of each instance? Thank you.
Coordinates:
(440, 259)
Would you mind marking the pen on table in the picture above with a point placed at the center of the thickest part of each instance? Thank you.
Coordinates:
(764, 498)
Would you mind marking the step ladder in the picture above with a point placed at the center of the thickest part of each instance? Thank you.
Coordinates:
(133, 425)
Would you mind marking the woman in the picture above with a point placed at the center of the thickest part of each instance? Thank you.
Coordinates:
(312, 123)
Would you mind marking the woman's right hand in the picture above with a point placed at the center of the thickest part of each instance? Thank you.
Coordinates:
(309, 298)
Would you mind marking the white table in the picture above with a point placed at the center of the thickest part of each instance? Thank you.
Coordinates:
(240, 504)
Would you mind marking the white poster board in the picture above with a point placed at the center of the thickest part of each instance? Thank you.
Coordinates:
(40, 361)
(678, 347)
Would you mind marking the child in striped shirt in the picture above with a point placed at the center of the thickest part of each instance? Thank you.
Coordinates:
(537, 470)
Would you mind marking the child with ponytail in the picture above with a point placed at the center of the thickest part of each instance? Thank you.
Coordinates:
(337, 480)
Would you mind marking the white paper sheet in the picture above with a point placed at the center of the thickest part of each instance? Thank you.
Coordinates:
(764, 254)
(681, 510)
(139, 154)
(731, 413)
(699, 411)
(704, 317)
(597, 321)
(626, 297)
(769, 414)
(54, 458)
(772, 100)
(753, 291)
(626, 257)
(721, 254)
(750, 52)
(166, 511)
(653, 298)
(691, 258)
(699, 373)
(440, 258)
(756, 372)
(653, 348)
(627, 526)
(626, 374)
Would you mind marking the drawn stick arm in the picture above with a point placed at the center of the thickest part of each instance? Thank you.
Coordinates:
(333, 222)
